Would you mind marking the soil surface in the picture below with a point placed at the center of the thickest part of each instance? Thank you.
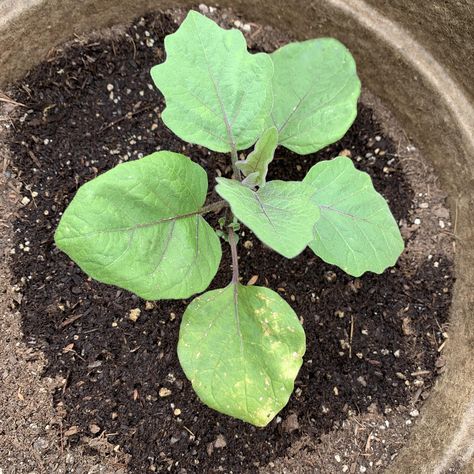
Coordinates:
(372, 342)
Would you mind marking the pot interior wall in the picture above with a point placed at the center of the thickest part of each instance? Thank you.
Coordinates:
(419, 88)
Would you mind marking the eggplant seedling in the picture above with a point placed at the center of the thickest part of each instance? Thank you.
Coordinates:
(141, 226)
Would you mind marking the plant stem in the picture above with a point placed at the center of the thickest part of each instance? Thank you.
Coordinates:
(234, 158)
(235, 259)
(213, 207)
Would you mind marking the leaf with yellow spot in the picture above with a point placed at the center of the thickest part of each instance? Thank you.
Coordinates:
(242, 348)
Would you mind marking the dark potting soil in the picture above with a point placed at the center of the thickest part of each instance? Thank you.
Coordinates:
(92, 106)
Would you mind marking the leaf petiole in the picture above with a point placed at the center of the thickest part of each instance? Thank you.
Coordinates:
(235, 258)
(213, 207)
(234, 158)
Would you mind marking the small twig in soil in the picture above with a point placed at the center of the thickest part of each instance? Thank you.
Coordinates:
(367, 444)
(6, 99)
(441, 347)
(6, 162)
(128, 115)
(61, 436)
(13, 188)
(70, 320)
(455, 226)
(66, 382)
(78, 355)
(420, 372)
(256, 31)
(416, 396)
(189, 431)
(351, 334)
(91, 330)
(134, 47)
(27, 90)
(437, 324)
(34, 158)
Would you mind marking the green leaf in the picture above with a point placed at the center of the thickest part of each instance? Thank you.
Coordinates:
(280, 214)
(136, 226)
(242, 347)
(316, 89)
(255, 167)
(253, 180)
(218, 95)
(356, 231)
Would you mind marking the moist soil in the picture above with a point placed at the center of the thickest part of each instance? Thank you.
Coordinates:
(372, 342)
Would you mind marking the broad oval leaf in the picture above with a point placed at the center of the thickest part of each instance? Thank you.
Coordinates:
(242, 348)
(218, 95)
(356, 231)
(255, 166)
(316, 88)
(280, 214)
(136, 227)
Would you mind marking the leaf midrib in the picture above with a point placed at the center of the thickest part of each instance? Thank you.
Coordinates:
(230, 135)
(302, 119)
(133, 227)
(262, 207)
(235, 291)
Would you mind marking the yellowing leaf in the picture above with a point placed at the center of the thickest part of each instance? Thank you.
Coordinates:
(242, 347)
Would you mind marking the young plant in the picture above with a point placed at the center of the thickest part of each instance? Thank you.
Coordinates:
(140, 226)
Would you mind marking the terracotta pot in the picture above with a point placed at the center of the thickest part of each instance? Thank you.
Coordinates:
(418, 58)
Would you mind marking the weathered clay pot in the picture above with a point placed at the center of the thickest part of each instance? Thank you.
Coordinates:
(418, 58)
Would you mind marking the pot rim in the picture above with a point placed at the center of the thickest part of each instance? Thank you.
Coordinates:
(430, 105)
